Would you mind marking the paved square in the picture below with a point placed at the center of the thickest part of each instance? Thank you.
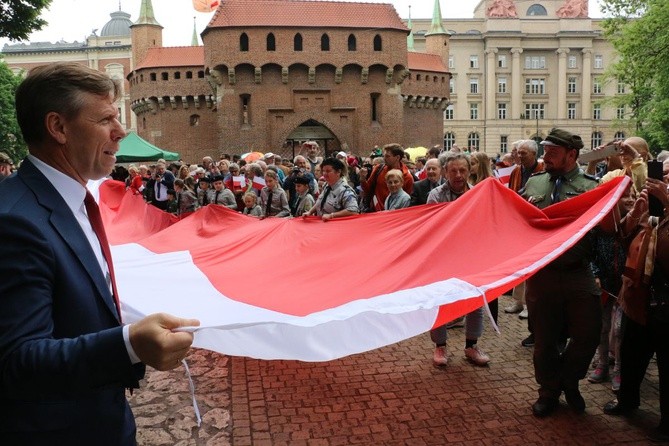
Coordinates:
(389, 396)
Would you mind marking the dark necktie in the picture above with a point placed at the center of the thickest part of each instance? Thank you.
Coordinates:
(325, 197)
(96, 223)
(268, 206)
(555, 195)
(205, 198)
(216, 197)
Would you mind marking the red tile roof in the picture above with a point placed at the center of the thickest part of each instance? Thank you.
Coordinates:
(306, 13)
(426, 62)
(178, 56)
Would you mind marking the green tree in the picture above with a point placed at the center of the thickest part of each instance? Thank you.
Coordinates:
(639, 33)
(18, 18)
(11, 141)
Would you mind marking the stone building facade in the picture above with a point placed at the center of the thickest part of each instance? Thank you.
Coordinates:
(521, 67)
(274, 73)
(109, 52)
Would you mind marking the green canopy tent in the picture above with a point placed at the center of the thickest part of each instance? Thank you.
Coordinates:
(133, 148)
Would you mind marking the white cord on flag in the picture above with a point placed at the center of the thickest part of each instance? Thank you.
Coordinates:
(192, 394)
(487, 310)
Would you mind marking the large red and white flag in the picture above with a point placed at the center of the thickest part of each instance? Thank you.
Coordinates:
(503, 174)
(314, 291)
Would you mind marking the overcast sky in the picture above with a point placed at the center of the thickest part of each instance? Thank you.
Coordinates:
(72, 20)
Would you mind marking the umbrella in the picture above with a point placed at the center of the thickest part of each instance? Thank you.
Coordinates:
(252, 156)
(415, 152)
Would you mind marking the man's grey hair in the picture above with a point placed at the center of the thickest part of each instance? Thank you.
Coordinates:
(447, 157)
(529, 144)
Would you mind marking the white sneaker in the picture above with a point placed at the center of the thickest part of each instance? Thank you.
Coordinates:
(523, 314)
(476, 356)
(515, 307)
(440, 357)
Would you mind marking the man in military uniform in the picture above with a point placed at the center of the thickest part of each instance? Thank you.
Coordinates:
(563, 293)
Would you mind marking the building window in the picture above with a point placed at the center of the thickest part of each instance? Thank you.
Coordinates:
(621, 87)
(449, 113)
(271, 42)
(245, 108)
(536, 9)
(194, 120)
(473, 61)
(619, 136)
(620, 112)
(599, 61)
(501, 111)
(451, 85)
(474, 85)
(244, 42)
(121, 118)
(534, 111)
(451, 62)
(535, 86)
(597, 86)
(473, 111)
(504, 144)
(535, 62)
(378, 43)
(571, 62)
(164, 76)
(325, 42)
(501, 61)
(352, 43)
(297, 42)
(501, 85)
(596, 112)
(200, 74)
(177, 75)
(571, 84)
(375, 106)
(449, 140)
(473, 141)
(596, 140)
(571, 110)
(152, 76)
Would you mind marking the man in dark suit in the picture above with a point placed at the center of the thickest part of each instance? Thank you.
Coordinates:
(422, 188)
(65, 357)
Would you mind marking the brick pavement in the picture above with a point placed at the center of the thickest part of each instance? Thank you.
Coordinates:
(390, 396)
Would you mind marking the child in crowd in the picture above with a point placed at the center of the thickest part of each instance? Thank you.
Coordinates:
(398, 198)
(186, 198)
(304, 199)
(273, 201)
(251, 206)
(172, 205)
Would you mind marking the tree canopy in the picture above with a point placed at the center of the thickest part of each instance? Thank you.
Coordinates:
(639, 33)
(11, 141)
(18, 18)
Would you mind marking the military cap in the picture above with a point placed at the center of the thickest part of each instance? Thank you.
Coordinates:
(563, 138)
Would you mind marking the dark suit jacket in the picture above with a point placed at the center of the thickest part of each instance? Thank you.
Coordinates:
(64, 366)
(421, 189)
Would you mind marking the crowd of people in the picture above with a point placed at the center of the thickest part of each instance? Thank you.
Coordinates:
(68, 358)
(575, 306)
